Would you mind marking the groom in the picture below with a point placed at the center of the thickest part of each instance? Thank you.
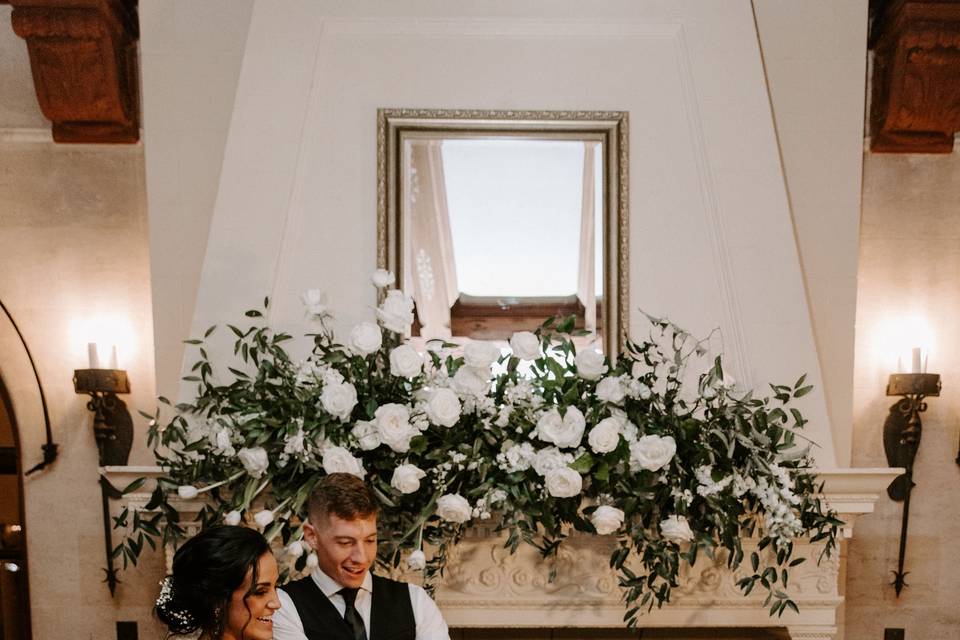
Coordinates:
(341, 599)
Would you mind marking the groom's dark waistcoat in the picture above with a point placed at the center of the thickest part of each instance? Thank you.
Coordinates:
(391, 613)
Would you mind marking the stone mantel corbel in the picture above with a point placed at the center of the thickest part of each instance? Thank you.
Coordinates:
(486, 586)
(84, 61)
(916, 76)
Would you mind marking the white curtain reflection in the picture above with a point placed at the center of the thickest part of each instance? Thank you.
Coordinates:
(586, 273)
(429, 266)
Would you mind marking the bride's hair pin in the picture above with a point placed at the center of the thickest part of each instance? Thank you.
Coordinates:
(176, 617)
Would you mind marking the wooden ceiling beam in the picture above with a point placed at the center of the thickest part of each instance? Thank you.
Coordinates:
(915, 102)
(83, 56)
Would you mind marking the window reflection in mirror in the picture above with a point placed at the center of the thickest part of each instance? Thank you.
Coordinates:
(494, 225)
(504, 232)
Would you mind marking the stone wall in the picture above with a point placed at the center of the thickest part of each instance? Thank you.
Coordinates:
(73, 247)
(909, 266)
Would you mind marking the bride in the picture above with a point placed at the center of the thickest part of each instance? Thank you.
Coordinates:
(224, 585)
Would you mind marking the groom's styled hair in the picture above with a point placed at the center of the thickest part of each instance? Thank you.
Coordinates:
(343, 495)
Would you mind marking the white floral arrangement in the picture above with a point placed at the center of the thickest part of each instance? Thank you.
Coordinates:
(452, 437)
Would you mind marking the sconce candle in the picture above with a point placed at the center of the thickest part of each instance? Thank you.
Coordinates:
(915, 363)
(92, 355)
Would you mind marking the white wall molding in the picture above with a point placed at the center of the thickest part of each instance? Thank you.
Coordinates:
(512, 27)
(732, 328)
(26, 134)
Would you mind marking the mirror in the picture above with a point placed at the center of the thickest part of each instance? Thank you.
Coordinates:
(496, 220)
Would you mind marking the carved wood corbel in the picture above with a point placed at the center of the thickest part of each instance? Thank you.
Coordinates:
(83, 56)
(915, 105)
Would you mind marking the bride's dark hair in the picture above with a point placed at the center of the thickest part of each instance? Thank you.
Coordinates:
(207, 569)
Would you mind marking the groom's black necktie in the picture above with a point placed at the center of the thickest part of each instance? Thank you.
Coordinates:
(351, 615)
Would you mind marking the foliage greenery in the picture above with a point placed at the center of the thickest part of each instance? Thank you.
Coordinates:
(740, 466)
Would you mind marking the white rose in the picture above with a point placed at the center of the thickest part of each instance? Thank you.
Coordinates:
(416, 561)
(611, 390)
(549, 424)
(294, 444)
(676, 529)
(453, 507)
(470, 382)
(396, 312)
(563, 482)
(590, 365)
(315, 301)
(366, 434)
(565, 432)
(220, 441)
(382, 278)
(294, 549)
(606, 519)
(365, 338)
(339, 460)
(254, 460)
(605, 437)
(393, 426)
(312, 561)
(480, 354)
(405, 362)
(546, 460)
(525, 345)
(406, 478)
(636, 389)
(443, 409)
(232, 518)
(652, 452)
(187, 492)
(339, 400)
(263, 518)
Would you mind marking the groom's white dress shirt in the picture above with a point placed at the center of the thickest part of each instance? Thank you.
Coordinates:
(430, 623)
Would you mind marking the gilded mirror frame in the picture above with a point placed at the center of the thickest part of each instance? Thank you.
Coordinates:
(610, 127)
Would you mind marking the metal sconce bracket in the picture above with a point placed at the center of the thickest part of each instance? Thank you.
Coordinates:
(901, 439)
(113, 429)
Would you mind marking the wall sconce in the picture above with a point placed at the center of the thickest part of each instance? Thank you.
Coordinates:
(901, 439)
(113, 430)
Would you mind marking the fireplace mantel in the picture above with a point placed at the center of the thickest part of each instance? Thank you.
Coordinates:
(486, 586)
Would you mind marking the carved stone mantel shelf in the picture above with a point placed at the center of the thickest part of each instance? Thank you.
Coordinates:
(486, 586)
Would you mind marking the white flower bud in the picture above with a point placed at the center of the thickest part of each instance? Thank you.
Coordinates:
(417, 561)
(382, 278)
(263, 518)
